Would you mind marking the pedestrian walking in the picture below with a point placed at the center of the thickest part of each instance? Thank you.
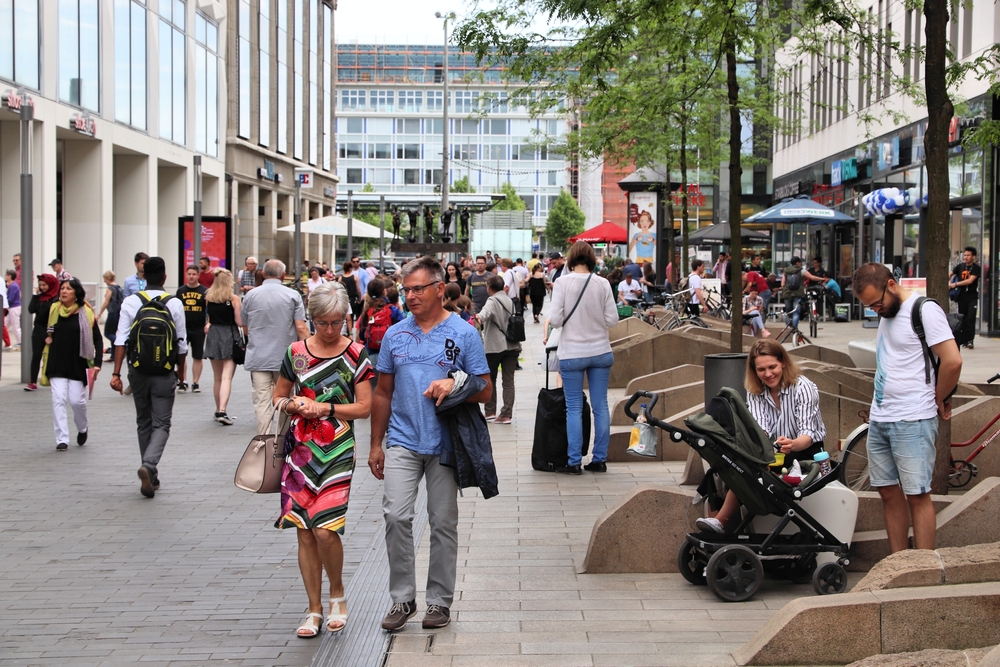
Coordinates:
(248, 276)
(422, 359)
(536, 290)
(967, 273)
(904, 413)
(476, 284)
(13, 317)
(137, 282)
(48, 292)
(58, 271)
(72, 359)
(151, 334)
(192, 295)
(793, 290)
(274, 318)
(206, 274)
(354, 293)
(222, 308)
(584, 348)
(500, 352)
(112, 305)
(324, 384)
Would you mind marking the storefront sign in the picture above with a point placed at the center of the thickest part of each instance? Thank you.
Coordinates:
(329, 191)
(305, 178)
(83, 123)
(786, 190)
(828, 195)
(695, 197)
(13, 99)
(959, 126)
(835, 173)
(848, 169)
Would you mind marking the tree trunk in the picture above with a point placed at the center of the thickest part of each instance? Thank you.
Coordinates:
(735, 189)
(684, 196)
(939, 113)
(668, 229)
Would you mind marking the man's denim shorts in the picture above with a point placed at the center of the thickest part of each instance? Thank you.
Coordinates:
(902, 452)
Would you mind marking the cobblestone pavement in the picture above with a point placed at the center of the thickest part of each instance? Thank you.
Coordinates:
(91, 573)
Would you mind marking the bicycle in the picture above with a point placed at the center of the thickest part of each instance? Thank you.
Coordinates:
(720, 307)
(799, 338)
(854, 457)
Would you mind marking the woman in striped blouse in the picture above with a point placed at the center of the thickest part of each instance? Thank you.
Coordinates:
(786, 405)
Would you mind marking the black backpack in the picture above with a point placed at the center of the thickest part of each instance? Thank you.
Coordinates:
(917, 322)
(793, 281)
(115, 303)
(515, 326)
(152, 340)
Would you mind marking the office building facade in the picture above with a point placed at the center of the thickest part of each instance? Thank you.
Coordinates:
(125, 94)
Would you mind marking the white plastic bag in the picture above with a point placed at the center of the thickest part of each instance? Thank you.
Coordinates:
(642, 440)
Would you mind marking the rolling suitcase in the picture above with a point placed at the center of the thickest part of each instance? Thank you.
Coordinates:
(548, 450)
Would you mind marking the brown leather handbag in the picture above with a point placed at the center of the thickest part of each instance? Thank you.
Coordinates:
(259, 471)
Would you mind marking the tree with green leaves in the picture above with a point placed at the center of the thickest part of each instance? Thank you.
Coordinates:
(513, 201)
(462, 185)
(565, 219)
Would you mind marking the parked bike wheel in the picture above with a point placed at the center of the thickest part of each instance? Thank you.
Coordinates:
(853, 468)
(961, 474)
(813, 327)
(734, 573)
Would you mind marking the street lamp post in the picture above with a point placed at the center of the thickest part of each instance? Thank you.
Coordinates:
(27, 234)
(444, 154)
(196, 224)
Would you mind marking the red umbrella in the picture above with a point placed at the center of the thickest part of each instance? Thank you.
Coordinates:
(606, 232)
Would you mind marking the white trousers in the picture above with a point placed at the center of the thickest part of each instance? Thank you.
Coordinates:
(13, 322)
(73, 392)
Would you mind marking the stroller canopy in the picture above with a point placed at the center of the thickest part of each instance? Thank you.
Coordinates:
(728, 421)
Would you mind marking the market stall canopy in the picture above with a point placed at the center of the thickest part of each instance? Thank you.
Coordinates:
(335, 225)
(801, 209)
(606, 232)
(719, 233)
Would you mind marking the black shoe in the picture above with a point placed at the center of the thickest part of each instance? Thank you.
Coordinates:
(81, 438)
(596, 466)
(156, 484)
(182, 386)
(62, 447)
(194, 388)
(970, 345)
(398, 615)
(570, 470)
(436, 617)
(146, 478)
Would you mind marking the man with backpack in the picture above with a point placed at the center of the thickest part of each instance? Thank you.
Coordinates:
(914, 336)
(151, 336)
(793, 288)
(502, 347)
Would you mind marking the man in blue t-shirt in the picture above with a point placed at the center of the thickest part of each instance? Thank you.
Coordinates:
(414, 365)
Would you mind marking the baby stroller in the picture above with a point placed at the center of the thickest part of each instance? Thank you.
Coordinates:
(739, 452)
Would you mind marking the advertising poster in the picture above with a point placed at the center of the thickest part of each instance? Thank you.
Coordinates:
(215, 241)
(642, 219)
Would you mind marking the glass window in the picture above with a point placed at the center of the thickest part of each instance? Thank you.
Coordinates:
(407, 126)
(383, 176)
(327, 85)
(497, 152)
(130, 63)
(411, 100)
(466, 101)
(411, 177)
(521, 128)
(552, 178)
(382, 100)
(354, 175)
(206, 87)
(19, 58)
(282, 92)
(432, 176)
(380, 126)
(243, 80)
(350, 150)
(315, 121)
(355, 125)
(79, 53)
(173, 100)
(466, 126)
(515, 152)
(264, 70)
(435, 100)
(298, 81)
(351, 100)
(380, 151)
(433, 126)
(407, 151)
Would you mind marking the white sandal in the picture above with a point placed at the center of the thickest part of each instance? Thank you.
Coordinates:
(308, 627)
(336, 617)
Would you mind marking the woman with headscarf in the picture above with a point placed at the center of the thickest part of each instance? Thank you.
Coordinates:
(48, 290)
(73, 346)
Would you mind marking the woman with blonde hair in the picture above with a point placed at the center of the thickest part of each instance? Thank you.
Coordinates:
(222, 310)
(786, 405)
(324, 385)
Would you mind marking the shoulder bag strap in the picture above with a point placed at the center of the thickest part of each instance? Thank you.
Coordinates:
(578, 299)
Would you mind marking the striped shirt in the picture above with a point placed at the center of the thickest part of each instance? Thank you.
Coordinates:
(799, 413)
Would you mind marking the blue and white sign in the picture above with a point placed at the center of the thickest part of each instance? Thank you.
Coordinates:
(835, 173)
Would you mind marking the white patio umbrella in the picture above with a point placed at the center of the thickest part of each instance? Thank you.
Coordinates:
(336, 225)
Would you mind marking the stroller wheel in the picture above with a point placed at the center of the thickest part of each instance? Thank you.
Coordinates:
(691, 562)
(734, 573)
(830, 578)
(801, 572)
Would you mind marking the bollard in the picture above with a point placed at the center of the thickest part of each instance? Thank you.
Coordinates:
(724, 370)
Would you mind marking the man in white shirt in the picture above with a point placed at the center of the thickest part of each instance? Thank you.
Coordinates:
(629, 291)
(909, 399)
(694, 284)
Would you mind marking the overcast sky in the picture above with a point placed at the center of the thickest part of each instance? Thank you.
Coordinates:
(392, 21)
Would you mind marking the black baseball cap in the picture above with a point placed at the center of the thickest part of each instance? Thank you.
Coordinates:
(555, 255)
(55, 261)
(796, 259)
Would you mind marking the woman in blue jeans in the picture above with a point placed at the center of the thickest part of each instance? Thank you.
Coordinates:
(583, 305)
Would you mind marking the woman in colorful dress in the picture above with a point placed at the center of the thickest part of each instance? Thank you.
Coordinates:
(325, 386)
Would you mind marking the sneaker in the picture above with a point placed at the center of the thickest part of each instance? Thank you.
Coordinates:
(502, 420)
(971, 345)
(182, 386)
(436, 617)
(62, 447)
(710, 525)
(156, 484)
(81, 438)
(146, 486)
(491, 418)
(398, 615)
(223, 418)
(31, 386)
(194, 388)
(596, 466)
(570, 470)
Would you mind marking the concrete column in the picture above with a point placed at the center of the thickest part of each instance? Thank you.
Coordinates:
(248, 234)
(10, 201)
(283, 240)
(82, 209)
(211, 195)
(267, 224)
(174, 199)
(44, 168)
(130, 219)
